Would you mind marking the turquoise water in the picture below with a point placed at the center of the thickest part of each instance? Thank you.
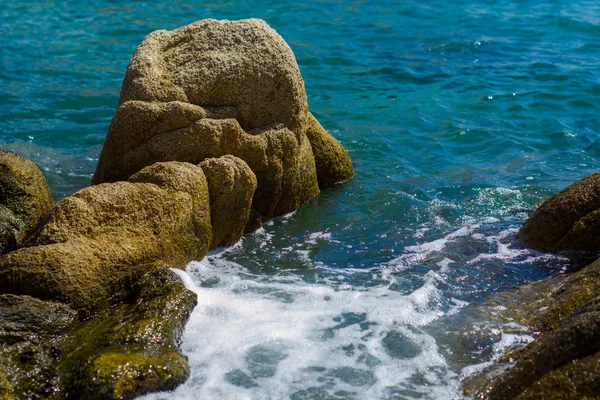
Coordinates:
(459, 116)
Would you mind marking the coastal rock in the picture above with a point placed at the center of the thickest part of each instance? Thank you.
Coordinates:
(24, 199)
(216, 88)
(31, 336)
(564, 361)
(331, 158)
(231, 186)
(123, 352)
(569, 220)
(187, 178)
(96, 241)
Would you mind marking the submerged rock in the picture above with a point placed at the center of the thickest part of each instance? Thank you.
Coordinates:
(569, 220)
(97, 241)
(564, 360)
(24, 199)
(125, 351)
(214, 88)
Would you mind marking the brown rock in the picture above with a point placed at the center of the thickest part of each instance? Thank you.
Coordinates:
(216, 88)
(331, 158)
(97, 241)
(231, 185)
(24, 199)
(187, 178)
(568, 220)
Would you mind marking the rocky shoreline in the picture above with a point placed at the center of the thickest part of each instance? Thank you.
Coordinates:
(563, 311)
(211, 138)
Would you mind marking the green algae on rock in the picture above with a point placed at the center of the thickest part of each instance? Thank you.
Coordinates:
(123, 352)
(569, 220)
(565, 310)
(216, 88)
(24, 199)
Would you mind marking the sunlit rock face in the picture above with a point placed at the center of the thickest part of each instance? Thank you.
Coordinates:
(214, 88)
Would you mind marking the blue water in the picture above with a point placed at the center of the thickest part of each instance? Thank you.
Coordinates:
(460, 118)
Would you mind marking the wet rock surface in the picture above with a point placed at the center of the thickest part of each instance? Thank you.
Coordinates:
(564, 311)
(123, 352)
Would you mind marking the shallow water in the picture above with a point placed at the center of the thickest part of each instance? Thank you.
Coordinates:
(460, 117)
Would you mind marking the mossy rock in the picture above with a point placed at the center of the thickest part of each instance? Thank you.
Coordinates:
(131, 349)
(569, 220)
(24, 199)
(32, 333)
(6, 392)
(121, 353)
(561, 362)
(331, 158)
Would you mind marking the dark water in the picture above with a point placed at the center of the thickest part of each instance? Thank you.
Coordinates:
(460, 117)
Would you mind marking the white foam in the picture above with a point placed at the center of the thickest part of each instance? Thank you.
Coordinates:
(320, 335)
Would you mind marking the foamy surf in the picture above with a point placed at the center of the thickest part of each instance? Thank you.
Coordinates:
(275, 321)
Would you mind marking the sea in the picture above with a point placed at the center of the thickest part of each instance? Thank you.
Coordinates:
(460, 117)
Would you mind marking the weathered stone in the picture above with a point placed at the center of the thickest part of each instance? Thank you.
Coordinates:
(24, 199)
(216, 88)
(125, 351)
(331, 158)
(100, 239)
(231, 186)
(187, 178)
(569, 220)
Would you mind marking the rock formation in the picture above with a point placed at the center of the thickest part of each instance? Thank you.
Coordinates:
(216, 88)
(212, 136)
(231, 184)
(24, 199)
(97, 240)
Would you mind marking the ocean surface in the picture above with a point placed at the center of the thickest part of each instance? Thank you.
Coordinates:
(460, 117)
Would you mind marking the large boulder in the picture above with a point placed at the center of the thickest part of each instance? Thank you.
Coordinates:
(214, 88)
(569, 220)
(95, 242)
(231, 186)
(123, 352)
(24, 199)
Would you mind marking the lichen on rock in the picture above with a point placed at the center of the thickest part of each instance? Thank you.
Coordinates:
(95, 242)
(565, 311)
